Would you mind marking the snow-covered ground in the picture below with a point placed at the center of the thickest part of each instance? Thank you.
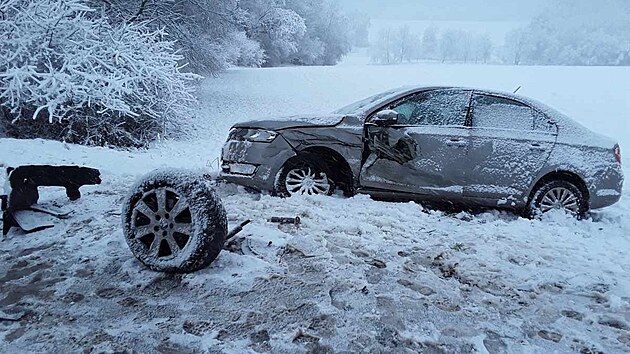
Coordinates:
(357, 275)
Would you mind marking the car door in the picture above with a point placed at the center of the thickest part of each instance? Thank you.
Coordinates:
(510, 143)
(425, 151)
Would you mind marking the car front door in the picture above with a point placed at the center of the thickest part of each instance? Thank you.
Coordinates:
(510, 143)
(424, 151)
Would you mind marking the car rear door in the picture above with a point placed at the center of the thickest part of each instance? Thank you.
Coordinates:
(425, 152)
(510, 143)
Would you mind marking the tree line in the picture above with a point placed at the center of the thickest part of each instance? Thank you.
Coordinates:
(215, 34)
(573, 32)
(567, 32)
(393, 46)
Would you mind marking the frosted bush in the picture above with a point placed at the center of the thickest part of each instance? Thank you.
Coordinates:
(67, 73)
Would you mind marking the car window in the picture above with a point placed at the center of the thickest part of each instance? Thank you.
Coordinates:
(499, 112)
(436, 107)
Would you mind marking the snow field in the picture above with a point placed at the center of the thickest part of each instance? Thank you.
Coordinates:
(358, 275)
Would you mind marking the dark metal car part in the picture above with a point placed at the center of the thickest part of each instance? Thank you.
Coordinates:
(19, 206)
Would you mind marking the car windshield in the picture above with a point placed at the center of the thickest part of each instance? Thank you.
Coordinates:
(361, 106)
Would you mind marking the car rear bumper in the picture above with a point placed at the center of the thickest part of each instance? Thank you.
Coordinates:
(254, 165)
(599, 202)
(607, 188)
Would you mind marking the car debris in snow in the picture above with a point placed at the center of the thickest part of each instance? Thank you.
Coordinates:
(285, 221)
(11, 317)
(19, 205)
(236, 230)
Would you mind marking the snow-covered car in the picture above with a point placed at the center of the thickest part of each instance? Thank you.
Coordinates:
(460, 145)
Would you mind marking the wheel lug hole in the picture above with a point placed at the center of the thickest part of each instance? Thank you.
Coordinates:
(171, 225)
(156, 228)
(164, 233)
(157, 217)
(167, 216)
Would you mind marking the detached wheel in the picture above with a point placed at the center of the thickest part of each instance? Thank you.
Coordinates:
(303, 175)
(173, 221)
(558, 195)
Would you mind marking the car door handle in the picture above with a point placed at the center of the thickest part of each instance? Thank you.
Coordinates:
(537, 147)
(456, 142)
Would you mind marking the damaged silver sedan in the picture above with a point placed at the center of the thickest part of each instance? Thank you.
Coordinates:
(437, 144)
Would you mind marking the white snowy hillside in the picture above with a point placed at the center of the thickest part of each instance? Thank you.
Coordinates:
(357, 276)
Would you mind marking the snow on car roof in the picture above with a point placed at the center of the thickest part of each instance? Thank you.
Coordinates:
(569, 130)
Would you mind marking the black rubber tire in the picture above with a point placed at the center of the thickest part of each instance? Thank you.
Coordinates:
(302, 161)
(534, 210)
(206, 216)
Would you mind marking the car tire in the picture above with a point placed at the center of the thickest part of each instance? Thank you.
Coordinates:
(174, 222)
(307, 168)
(558, 194)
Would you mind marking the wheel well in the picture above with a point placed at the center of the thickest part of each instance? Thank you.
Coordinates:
(339, 167)
(563, 176)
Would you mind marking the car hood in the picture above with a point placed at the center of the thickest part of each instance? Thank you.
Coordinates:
(302, 121)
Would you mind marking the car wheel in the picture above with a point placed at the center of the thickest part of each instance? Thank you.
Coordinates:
(558, 195)
(174, 222)
(303, 175)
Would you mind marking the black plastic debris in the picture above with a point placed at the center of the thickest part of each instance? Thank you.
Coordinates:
(19, 205)
(285, 221)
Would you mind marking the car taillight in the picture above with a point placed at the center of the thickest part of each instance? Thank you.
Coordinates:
(618, 153)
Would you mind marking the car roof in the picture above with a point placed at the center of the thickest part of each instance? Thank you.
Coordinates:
(406, 90)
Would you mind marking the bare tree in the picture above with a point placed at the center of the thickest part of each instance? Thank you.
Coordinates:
(402, 44)
(482, 48)
(430, 44)
(382, 48)
(448, 45)
(515, 46)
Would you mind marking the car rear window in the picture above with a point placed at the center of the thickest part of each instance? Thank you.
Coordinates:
(502, 113)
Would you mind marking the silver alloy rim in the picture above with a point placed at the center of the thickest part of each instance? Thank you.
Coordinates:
(305, 181)
(560, 198)
(162, 222)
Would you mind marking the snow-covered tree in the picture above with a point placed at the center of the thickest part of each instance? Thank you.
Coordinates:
(449, 45)
(67, 73)
(403, 44)
(360, 24)
(482, 48)
(576, 32)
(327, 31)
(381, 50)
(514, 48)
(277, 29)
(215, 34)
(464, 46)
(430, 44)
(210, 34)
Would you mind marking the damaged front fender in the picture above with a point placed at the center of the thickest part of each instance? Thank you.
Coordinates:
(265, 160)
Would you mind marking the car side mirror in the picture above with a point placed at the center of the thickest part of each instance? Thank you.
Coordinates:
(386, 117)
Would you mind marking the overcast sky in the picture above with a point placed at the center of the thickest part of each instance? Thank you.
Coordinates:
(460, 10)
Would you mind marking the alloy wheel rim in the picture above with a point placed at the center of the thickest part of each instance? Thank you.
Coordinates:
(306, 181)
(162, 222)
(560, 198)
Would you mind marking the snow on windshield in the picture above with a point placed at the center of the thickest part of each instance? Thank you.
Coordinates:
(361, 106)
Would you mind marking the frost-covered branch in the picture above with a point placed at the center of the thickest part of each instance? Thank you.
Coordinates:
(61, 61)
